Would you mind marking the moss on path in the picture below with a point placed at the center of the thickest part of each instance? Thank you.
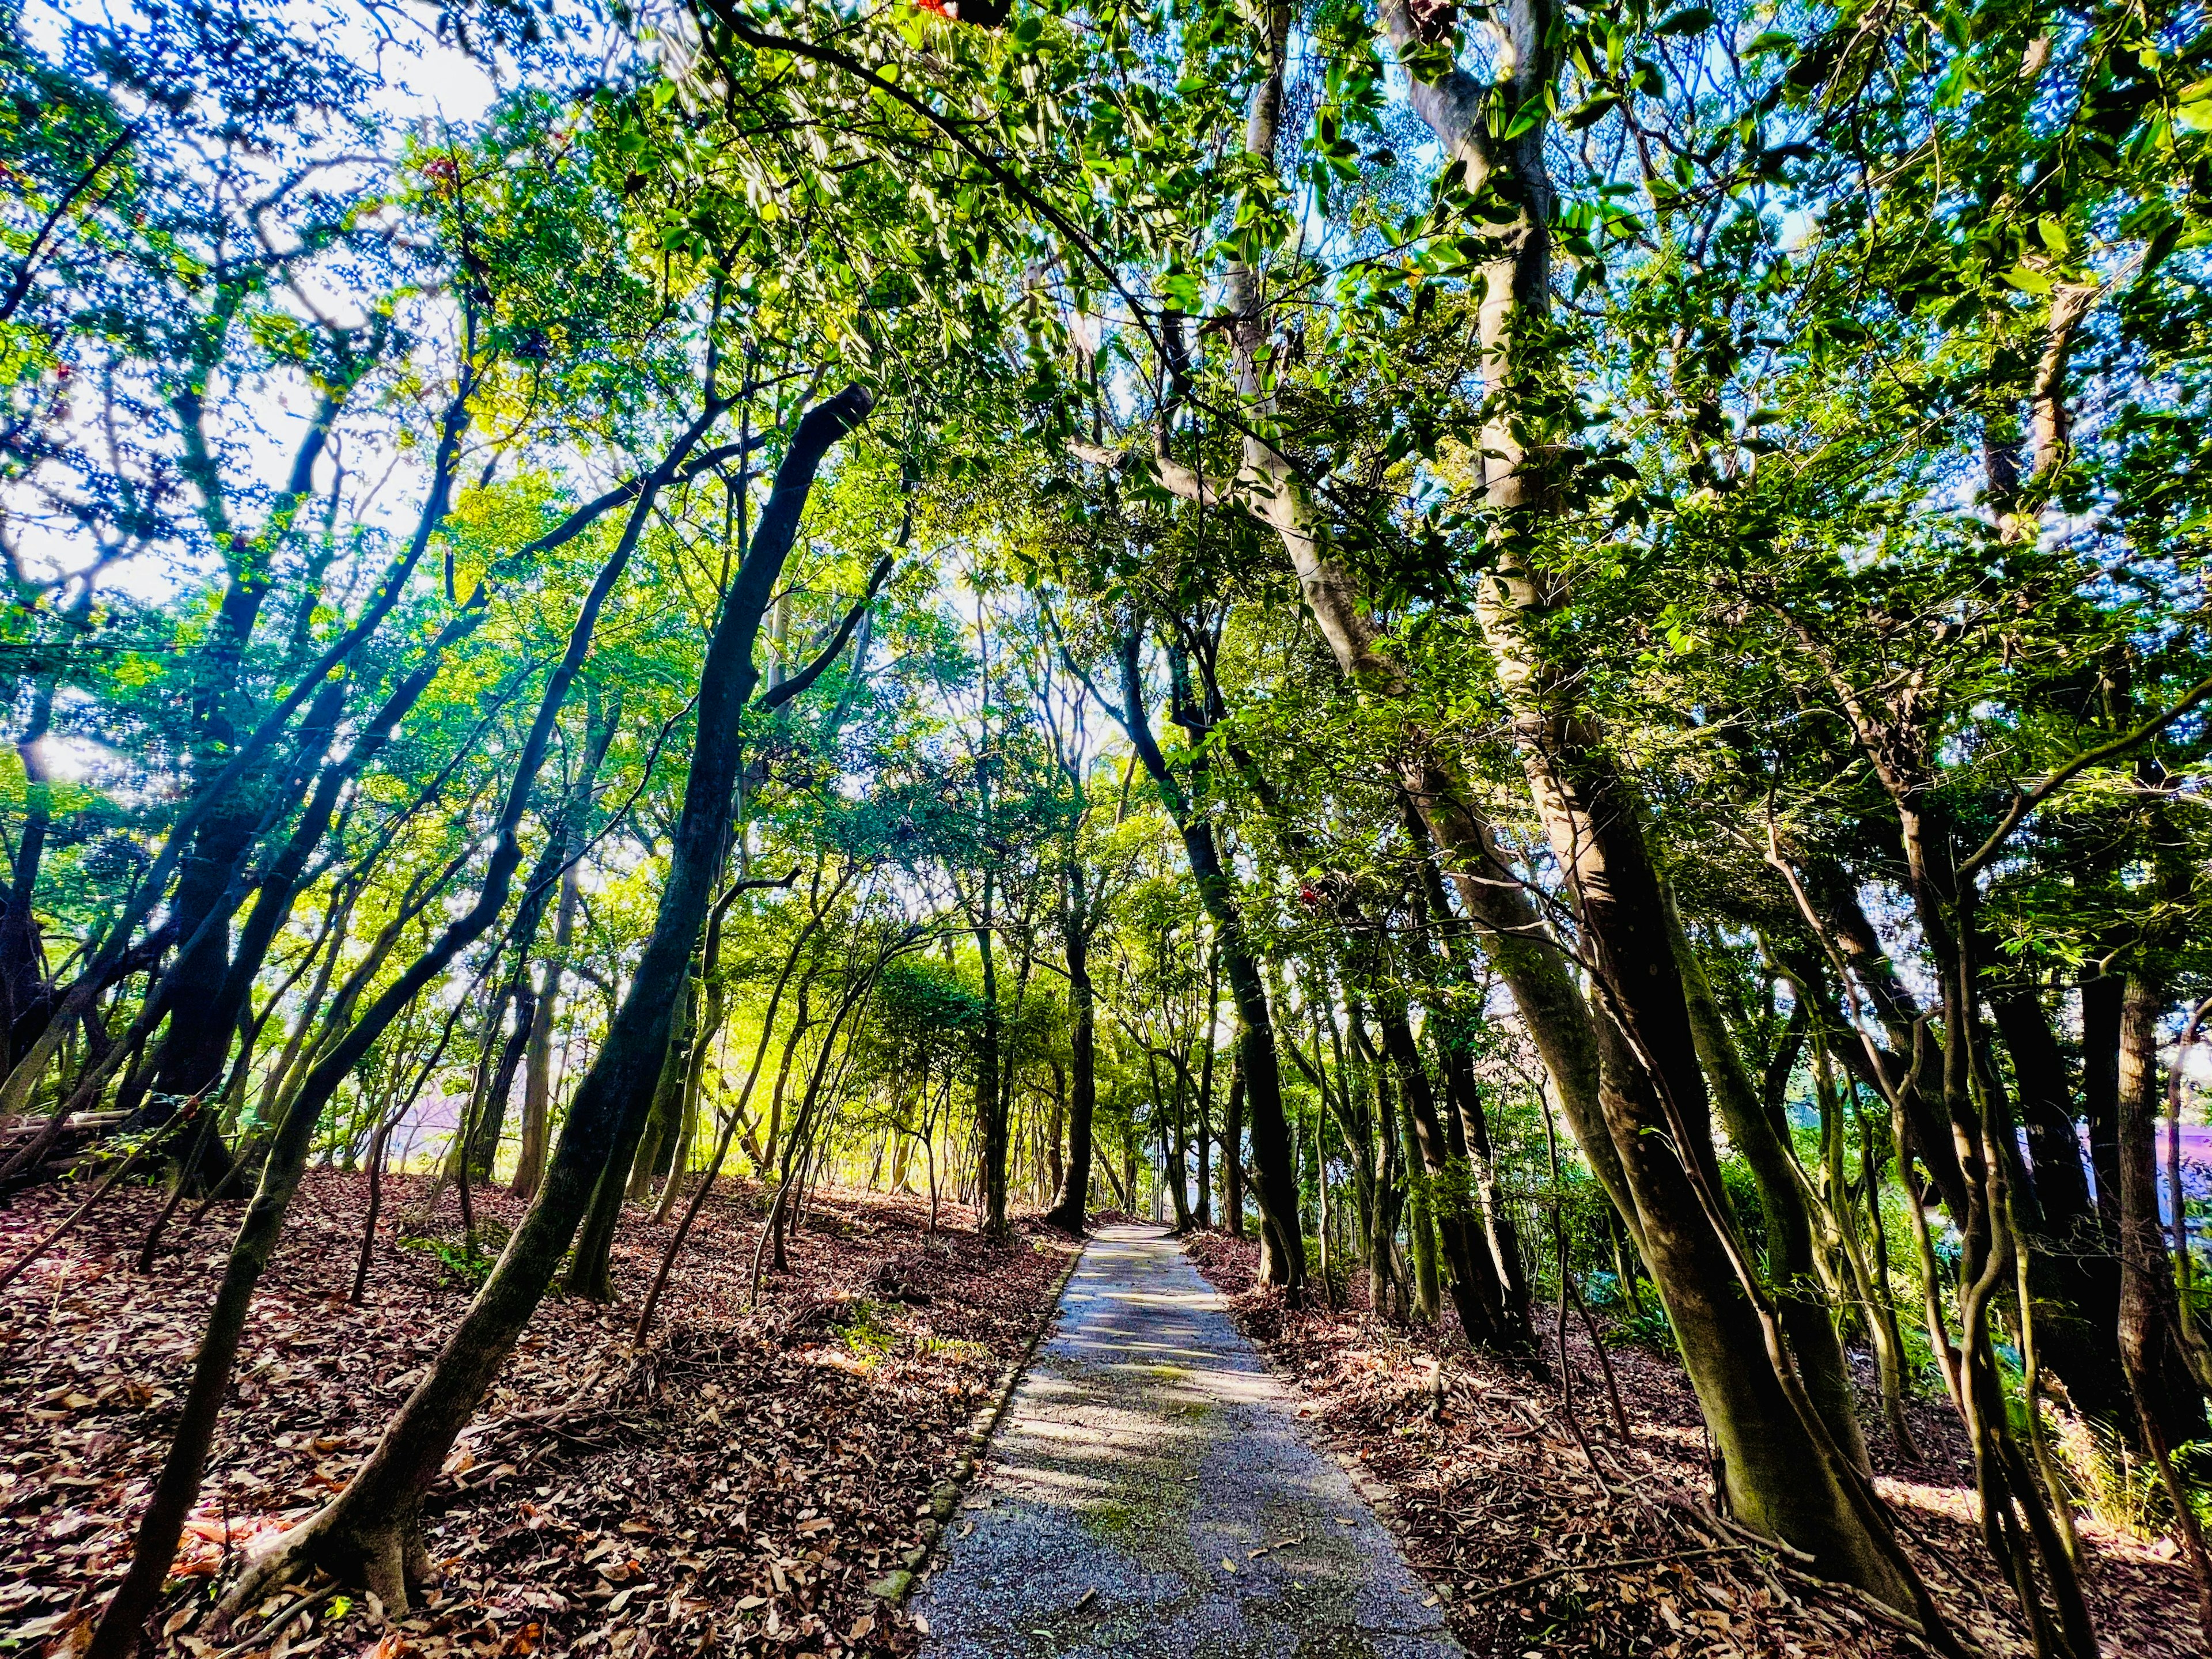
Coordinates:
(1150, 1492)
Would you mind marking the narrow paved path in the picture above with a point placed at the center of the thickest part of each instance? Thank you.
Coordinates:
(1147, 1444)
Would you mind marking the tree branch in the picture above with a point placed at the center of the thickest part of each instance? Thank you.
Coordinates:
(2028, 801)
(1186, 482)
(805, 676)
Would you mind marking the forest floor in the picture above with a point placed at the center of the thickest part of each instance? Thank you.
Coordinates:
(1500, 1500)
(731, 1487)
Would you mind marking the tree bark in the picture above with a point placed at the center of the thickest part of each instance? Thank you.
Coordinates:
(2149, 1346)
(1761, 1140)
(2103, 997)
(1488, 1314)
(1282, 1252)
(1232, 1155)
(371, 1529)
(991, 1105)
(599, 723)
(1072, 1213)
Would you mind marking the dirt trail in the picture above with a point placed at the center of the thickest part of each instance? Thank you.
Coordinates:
(1150, 1492)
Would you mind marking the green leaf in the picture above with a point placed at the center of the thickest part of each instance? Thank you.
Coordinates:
(1691, 20)
(1590, 112)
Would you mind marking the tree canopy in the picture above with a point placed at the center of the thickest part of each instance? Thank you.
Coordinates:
(1530, 649)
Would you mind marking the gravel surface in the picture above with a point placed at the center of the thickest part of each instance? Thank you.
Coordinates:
(1150, 1492)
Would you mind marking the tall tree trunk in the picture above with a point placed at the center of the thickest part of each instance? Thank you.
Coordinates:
(1421, 1228)
(24, 996)
(491, 1115)
(1779, 1476)
(2074, 1273)
(2061, 1184)
(991, 1105)
(657, 1143)
(1282, 1251)
(371, 1529)
(1173, 1174)
(2158, 1369)
(203, 992)
(1071, 1213)
(601, 717)
(1204, 1100)
(1488, 1314)
(1053, 1177)
(1232, 1155)
(1762, 1142)
(537, 1070)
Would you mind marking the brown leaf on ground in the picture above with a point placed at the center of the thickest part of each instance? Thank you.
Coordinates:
(1538, 1550)
(735, 1485)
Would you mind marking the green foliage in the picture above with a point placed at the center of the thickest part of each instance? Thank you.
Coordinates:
(1848, 436)
(860, 1327)
(466, 1262)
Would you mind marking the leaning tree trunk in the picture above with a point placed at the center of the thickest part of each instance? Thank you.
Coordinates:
(371, 1531)
(1282, 1247)
(178, 1484)
(1782, 1472)
(24, 998)
(204, 991)
(1805, 1314)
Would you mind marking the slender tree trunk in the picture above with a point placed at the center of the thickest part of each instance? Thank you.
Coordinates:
(371, 1529)
(1489, 1312)
(1205, 1097)
(601, 716)
(538, 1073)
(1232, 1155)
(1761, 1142)
(992, 1115)
(276, 1086)
(2158, 1369)
(24, 998)
(656, 1140)
(1282, 1256)
(1053, 1176)
(2074, 1273)
(1420, 1228)
(491, 1115)
(1072, 1213)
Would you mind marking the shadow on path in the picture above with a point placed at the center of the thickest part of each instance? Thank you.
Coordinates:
(1148, 1443)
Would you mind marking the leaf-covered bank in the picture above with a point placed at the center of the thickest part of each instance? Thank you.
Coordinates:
(1550, 1536)
(732, 1485)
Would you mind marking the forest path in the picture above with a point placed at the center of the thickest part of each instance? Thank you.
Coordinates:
(1147, 1444)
